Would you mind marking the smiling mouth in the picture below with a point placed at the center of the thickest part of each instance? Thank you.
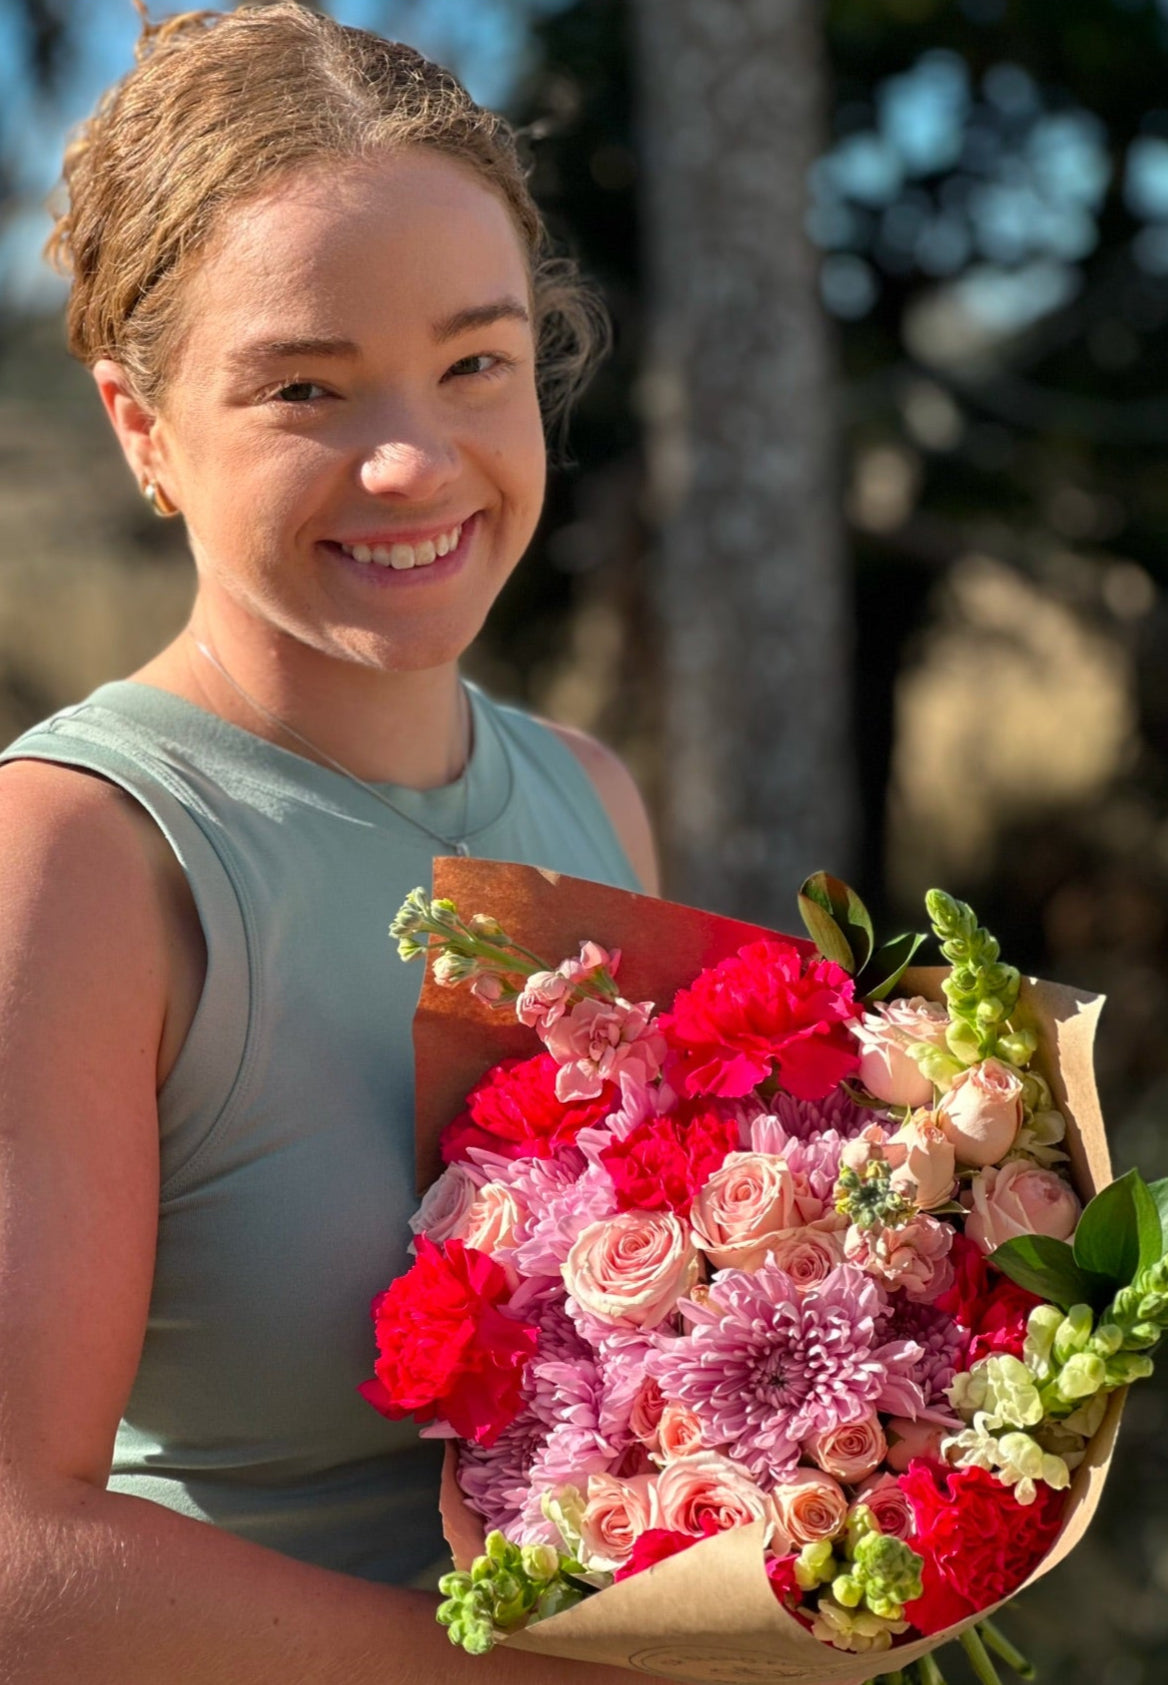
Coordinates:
(401, 557)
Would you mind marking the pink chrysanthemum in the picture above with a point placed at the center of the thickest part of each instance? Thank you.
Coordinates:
(941, 1341)
(807, 1118)
(562, 1196)
(766, 1365)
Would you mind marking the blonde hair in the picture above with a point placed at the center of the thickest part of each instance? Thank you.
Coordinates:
(218, 104)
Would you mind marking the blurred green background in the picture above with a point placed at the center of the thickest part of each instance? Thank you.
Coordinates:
(860, 550)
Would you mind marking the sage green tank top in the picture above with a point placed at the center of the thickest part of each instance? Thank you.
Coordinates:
(287, 1130)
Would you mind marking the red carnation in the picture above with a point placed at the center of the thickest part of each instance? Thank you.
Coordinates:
(763, 1011)
(514, 1111)
(657, 1543)
(977, 1541)
(781, 1573)
(445, 1350)
(662, 1163)
(991, 1307)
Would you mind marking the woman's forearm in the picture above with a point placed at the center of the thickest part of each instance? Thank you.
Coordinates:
(104, 1589)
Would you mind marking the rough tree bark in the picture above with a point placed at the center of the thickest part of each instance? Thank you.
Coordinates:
(736, 395)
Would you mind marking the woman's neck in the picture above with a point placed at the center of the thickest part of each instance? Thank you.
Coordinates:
(400, 727)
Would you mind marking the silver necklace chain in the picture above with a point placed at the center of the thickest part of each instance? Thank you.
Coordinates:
(455, 847)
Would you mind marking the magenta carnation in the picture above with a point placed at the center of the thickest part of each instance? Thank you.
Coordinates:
(767, 1366)
(767, 1010)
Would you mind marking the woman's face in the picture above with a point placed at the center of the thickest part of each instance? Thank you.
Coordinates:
(355, 393)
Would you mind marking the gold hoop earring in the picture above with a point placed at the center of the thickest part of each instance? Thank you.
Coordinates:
(158, 500)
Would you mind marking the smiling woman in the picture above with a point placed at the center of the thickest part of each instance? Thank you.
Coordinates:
(315, 298)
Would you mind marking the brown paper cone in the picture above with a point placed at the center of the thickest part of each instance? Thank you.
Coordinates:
(707, 1615)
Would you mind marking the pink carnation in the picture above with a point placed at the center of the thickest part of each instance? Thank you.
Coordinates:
(769, 1009)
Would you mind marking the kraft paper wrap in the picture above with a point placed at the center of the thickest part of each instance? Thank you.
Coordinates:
(707, 1615)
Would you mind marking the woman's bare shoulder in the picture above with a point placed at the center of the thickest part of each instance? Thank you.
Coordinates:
(621, 798)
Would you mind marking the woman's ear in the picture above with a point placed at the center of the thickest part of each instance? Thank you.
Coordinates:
(135, 424)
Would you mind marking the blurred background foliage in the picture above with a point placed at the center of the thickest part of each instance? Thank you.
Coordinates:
(990, 209)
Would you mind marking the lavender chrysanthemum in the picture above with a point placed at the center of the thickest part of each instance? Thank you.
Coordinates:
(805, 1118)
(495, 1480)
(562, 1196)
(941, 1341)
(766, 1365)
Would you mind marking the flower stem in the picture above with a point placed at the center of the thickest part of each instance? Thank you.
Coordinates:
(996, 1640)
(930, 1673)
(979, 1657)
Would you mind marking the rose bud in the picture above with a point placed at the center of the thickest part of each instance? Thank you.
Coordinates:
(907, 1439)
(928, 1162)
(887, 1069)
(850, 1450)
(891, 1510)
(680, 1432)
(1019, 1198)
(982, 1112)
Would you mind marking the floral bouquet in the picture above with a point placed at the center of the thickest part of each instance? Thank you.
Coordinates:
(779, 1327)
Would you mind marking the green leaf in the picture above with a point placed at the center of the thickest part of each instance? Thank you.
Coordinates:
(1120, 1230)
(1159, 1193)
(826, 934)
(844, 907)
(890, 961)
(1047, 1267)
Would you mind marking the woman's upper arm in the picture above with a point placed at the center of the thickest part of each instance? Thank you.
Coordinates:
(621, 798)
(83, 991)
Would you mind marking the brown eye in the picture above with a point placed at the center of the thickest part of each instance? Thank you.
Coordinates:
(298, 392)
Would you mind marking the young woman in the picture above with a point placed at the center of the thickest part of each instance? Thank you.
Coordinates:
(311, 286)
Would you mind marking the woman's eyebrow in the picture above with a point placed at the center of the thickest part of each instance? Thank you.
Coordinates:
(479, 316)
(276, 350)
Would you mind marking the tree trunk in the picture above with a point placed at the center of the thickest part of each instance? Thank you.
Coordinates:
(736, 395)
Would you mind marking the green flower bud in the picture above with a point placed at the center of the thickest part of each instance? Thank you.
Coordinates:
(990, 1012)
(938, 1067)
(540, 1562)
(848, 1591)
(1106, 1340)
(1127, 1367)
(1081, 1376)
(963, 1042)
(1042, 1325)
(1073, 1332)
(484, 925)
(451, 968)
(815, 1565)
(1018, 1048)
(869, 1200)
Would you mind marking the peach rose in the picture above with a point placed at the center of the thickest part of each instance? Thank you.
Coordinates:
(890, 1508)
(447, 1202)
(742, 1208)
(850, 1450)
(645, 1415)
(922, 1154)
(680, 1432)
(808, 1506)
(887, 1069)
(616, 1514)
(982, 1112)
(1019, 1198)
(908, 1439)
(810, 1254)
(914, 1258)
(631, 1269)
(494, 1218)
(706, 1487)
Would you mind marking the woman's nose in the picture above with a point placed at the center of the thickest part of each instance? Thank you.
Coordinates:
(413, 460)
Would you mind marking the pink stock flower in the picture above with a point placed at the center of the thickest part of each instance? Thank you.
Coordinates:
(850, 1450)
(767, 1009)
(632, 1268)
(1019, 1198)
(742, 1208)
(547, 995)
(808, 1505)
(703, 1489)
(982, 1112)
(767, 1365)
(912, 1258)
(597, 1041)
(887, 1069)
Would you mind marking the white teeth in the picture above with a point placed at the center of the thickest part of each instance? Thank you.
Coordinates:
(402, 556)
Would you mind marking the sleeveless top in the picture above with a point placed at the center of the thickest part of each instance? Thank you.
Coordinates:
(287, 1132)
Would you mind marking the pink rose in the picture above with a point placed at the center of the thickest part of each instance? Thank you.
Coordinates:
(922, 1154)
(741, 1210)
(494, 1218)
(632, 1268)
(891, 1510)
(914, 1258)
(871, 1143)
(1019, 1198)
(887, 1069)
(850, 1450)
(446, 1204)
(809, 1255)
(808, 1506)
(680, 1432)
(615, 1514)
(982, 1112)
(907, 1439)
(598, 1040)
(645, 1416)
(704, 1492)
